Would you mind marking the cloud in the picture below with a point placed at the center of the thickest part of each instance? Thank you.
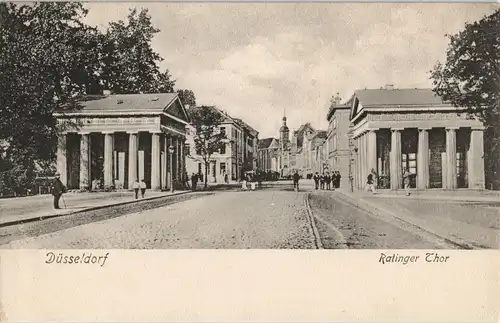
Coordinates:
(256, 60)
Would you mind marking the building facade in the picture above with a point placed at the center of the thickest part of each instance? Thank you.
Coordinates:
(268, 155)
(337, 146)
(398, 129)
(238, 154)
(116, 139)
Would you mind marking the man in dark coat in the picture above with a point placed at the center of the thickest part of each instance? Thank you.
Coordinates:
(57, 190)
(316, 180)
(296, 178)
(194, 181)
(338, 178)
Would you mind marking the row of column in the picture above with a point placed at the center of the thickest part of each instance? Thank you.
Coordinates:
(366, 158)
(159, 162)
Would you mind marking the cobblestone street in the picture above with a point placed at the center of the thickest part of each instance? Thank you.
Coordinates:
(230, 220)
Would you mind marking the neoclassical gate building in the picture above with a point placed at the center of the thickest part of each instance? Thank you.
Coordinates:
(395, 129)
(120, 138)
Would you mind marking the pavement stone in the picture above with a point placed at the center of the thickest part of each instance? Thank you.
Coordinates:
(224, 220)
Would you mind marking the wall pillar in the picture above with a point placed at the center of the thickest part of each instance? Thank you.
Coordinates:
(62, 164)
(108, 159)
(423, 159)
(155, 161)
(84, 161)
(451, 158)
(395, 163)
(476, 160)
(371, 148)
(183, 162)
(164, 162)
(133, 141)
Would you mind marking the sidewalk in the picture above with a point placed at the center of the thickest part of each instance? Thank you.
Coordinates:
(462, 195)
(450, 215)
(31, 208)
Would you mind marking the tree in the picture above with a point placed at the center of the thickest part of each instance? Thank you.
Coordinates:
(470, 78)
(187, 97)
(130, 65)
(207, 139)
(47, 57)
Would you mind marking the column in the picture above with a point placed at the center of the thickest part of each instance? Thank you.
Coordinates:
(476, 160)
(164, 162)
(84, 160)
(155, 161)
(363, 161)
(62, 166)
(395, 164)
(423, 159)
(371, 139)
(183, 162)
(108, 159)
(133, 139)
(451, 156)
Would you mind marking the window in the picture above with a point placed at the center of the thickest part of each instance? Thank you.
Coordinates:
(198, 151)
(222, 168)
(223, 130)
(187, 149)
(223, 149)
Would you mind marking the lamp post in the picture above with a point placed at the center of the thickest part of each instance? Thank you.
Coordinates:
(171, 151)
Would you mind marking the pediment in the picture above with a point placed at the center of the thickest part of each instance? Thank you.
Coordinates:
(177, 109)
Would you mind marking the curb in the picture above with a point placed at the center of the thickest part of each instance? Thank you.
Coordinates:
(370, 207)
(317, 239)
(90, 208)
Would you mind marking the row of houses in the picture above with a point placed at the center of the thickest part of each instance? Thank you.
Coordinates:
(386, 132)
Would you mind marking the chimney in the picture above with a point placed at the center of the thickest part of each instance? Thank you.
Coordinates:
(389, 87)
(106, 92)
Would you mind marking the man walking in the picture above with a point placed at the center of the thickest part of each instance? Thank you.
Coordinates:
(194, 181)
(338, 177)
(328, 179)
(58, 189)
(296, 178)
(143, 188)
(136, 186)
(316, 180)
(369, 184)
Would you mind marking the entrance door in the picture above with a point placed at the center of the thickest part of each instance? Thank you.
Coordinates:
(462, 180)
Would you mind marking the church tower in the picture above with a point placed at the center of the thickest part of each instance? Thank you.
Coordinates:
(284, 134)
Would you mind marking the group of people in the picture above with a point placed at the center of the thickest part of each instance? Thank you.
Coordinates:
(327, 181)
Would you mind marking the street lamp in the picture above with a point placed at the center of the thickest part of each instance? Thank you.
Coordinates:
(171, 151)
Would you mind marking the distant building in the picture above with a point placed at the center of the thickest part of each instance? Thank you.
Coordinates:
(337, 150)
(414, 129)
(268, 155)
(233, 159)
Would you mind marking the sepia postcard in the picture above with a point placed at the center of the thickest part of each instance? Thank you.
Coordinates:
(267, 161)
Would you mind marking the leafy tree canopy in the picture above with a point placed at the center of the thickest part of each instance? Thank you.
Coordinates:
(187, 97)
(470, 78)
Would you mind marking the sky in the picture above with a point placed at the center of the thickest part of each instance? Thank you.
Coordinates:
(258, 61)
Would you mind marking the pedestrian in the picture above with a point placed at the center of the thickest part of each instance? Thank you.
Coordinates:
(136, 186)
(143, 187)
(226, 178)
(322, 181)
(316, 180)
(406, 181)
(375, 178)
(338, 177)
(369, 184)
(333, 179)
(194, 181)
(296, 178)
(328, 180)
(58, 189)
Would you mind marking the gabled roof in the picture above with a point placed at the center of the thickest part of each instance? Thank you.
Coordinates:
(246, 126)
(126, 104)
(398, 97)
(265, 143)
(123, 103)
